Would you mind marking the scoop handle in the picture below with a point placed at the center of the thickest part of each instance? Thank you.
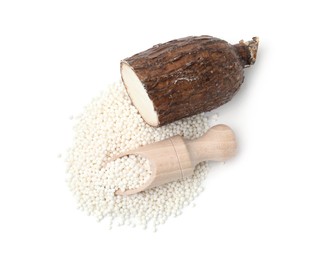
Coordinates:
(217, 144)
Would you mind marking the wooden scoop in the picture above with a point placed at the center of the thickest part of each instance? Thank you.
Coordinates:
(175, 158)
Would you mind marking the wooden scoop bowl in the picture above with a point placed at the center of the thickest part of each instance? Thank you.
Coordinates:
(175, 158)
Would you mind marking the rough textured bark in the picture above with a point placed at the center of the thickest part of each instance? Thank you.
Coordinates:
(191, 75)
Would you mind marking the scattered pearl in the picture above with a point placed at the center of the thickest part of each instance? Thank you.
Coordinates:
(110, 125)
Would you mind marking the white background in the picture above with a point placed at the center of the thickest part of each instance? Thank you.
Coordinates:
(273, 201)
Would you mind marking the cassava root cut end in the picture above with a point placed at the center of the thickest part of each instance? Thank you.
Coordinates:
(138, 94)
(187, 76)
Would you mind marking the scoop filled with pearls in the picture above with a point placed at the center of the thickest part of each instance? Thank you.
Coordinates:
(175, 158)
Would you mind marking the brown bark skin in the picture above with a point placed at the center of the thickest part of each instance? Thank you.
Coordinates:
(191, 75)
